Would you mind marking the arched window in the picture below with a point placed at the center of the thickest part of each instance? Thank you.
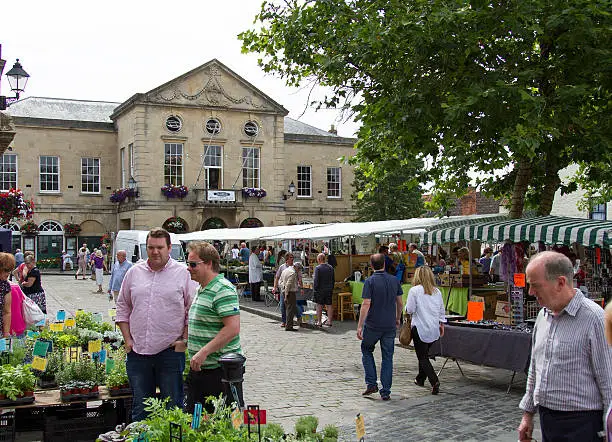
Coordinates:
(214, 223)
(251, 222)
(12, 226)
(176, 224)
(305, 222)
(50, 226)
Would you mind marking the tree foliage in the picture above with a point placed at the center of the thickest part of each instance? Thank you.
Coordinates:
(395, 196)
(507, 91)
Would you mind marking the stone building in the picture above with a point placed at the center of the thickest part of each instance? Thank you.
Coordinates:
(209, 130)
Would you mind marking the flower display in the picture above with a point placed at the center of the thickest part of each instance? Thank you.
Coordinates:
(120, 195)
(253, 192)
(29, 228)
(13, 205)
(72, 229)
(175, 224)
(172, 191)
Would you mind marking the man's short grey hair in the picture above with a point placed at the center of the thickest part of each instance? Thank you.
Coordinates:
(555, 265)
(321, 257)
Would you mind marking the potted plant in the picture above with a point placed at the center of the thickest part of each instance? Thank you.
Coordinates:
(72, 229)
(253, 192)
(24, 380)
(29, 228)
(172, 191)
(13, 205)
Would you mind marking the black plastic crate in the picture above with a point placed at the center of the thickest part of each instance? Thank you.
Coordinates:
(7, 426)
(79, 424)
(30, 419)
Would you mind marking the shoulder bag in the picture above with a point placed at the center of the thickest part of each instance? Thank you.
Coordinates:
(405, 335)
(32, 313)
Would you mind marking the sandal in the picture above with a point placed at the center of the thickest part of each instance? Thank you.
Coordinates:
(327, 323)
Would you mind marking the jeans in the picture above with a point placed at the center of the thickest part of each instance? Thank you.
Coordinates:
(146, 372)
(204, 383)
(426, 370)
(387, 346)
(282, 307)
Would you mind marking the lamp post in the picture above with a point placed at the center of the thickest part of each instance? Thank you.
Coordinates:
(17, 77)
(290, 190)
(132, 187)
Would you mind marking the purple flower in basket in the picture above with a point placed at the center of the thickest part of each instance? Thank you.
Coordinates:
(253, 192)
(120, 195)
(172, 191)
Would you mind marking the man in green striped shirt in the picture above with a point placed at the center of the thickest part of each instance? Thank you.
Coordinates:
(214, 327)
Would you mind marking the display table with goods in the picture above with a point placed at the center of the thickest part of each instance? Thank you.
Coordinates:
(487, 343)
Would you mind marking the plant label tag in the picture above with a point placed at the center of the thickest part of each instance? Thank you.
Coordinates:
(56, 326)
(40, 349)
(41, 323)
(112, 313)
(33, 334)
(69, 322)
(236, 418)
(2, 344)
(102, 356)
(197, 415)
(94, 346)
(110, 364)
(60, 315)
(72, 354)
(39, 363)
(360, 427)
(97, 317)
(79, 311)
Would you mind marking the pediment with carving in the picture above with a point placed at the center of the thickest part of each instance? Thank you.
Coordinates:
(212, 86)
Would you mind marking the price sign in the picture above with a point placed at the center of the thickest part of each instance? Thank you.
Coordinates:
(360, 427)
(33, 334)
(72, 354)
(70, 322)
(112, 313)
(3, 344)
(110, 364)
(102, 356)
(60, 315)
(97, 317)
(94, 346)
(56, 326)
(39, 363)
(519, 280)
(40, 349)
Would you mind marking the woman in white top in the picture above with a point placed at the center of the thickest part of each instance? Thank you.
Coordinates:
(255, 274)
(427, 309)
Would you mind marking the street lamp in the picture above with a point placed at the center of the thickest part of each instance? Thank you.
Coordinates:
(132, 184)
(18, 78)
(290, 190)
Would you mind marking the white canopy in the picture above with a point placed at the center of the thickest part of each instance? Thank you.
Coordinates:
(402, 226)
(246, 234)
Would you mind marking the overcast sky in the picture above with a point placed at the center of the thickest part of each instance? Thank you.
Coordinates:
(110, 50)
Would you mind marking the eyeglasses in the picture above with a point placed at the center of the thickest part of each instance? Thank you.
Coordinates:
(194, 264)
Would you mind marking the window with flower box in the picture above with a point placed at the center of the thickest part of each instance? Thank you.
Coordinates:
(304, 181)
(49, 174)
(90, 175)
(250, 167)
(8, 172)
(173, 163)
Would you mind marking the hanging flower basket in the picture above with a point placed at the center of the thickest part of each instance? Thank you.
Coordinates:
(29, 228)
(72, 229)
(175, 224)
(172, 191)
(13, 205)
(120, 195)
(253, 192)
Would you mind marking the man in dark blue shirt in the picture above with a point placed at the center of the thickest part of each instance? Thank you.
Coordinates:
(379, 319)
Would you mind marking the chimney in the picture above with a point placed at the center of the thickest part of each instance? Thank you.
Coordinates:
(333, 130)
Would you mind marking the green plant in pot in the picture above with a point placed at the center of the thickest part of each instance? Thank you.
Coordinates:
(24, 380)
(8, 389)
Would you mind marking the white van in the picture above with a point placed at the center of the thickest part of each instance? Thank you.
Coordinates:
(134, 242)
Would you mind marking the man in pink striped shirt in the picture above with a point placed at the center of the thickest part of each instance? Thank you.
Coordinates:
(152, 311)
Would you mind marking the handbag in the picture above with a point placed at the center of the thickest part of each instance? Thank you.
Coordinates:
(405, 335)
(32, 314)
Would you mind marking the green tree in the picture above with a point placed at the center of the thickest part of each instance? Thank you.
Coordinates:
(394, 196)
(507, 91)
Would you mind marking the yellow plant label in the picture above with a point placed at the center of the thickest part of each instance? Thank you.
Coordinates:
(360, 427)
(112, 313)
(56, 326)
(70, 322)
(94, 346)
(39, 363)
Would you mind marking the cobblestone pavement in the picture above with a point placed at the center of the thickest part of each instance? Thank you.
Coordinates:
(319, 372)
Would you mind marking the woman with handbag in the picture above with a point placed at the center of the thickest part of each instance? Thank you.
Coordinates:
(427, 309)
(7, 264)
(32, 286)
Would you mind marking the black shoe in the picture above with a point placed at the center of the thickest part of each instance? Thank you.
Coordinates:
(436, 388)
(290, 329)
(419, 383)
(370, 390)
(386, 398)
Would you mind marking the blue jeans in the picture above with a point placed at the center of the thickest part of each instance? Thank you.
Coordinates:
(387, 346)
(146, 372)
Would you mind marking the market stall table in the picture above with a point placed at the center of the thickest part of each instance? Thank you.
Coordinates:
(506, 349)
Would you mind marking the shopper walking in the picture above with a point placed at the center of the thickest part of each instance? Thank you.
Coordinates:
(255, 275)
(82, 258)
(379, 319)
(99, 266)
(120, 268)
(32, 286)
(323, 287)
(214, 327)
(289, 282)
(287, 261)
(570, 376)
(7, 265)
(152, 311)
(425, 305)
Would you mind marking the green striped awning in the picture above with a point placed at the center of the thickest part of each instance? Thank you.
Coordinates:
(550, 229)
